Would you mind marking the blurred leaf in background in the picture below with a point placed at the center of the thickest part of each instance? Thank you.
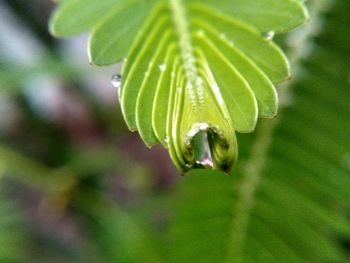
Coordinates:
(76, 186)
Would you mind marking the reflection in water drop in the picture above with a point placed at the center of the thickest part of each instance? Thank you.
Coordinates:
(206, 162)
(116, 81)
(269, 35)
(202, 150)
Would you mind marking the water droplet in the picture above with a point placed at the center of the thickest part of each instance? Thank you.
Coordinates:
(202, 150)
(269, 35)
(116, 81)
(228, 41)
(162, 67)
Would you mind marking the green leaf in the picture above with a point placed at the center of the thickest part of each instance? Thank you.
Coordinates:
(290, 198)
(115, 231)
(260, 84)
(76, 16)
(110, 40)
(265, 15)
(193, 69)
(264, 53)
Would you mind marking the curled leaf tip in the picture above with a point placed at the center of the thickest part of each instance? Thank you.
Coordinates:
(206, 147)
(194, 72)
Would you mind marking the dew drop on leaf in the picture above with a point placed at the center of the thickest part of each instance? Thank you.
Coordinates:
(224, 38)
(202, 150)
(162, 67)
(269, 35)
(116, 81)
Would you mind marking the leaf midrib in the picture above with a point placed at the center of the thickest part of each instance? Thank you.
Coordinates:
(180, 20)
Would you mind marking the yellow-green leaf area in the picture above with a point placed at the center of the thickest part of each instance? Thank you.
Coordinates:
(194, 73)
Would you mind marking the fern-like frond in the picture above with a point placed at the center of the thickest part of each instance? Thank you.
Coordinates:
(290, 199)
(192, 68)
(119, 236)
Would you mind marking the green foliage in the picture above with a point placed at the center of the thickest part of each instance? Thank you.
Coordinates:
(13, 239)
(193, 66)
(119, 235)
(290, 198)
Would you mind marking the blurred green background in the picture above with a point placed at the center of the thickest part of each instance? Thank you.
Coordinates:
(77, 186)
